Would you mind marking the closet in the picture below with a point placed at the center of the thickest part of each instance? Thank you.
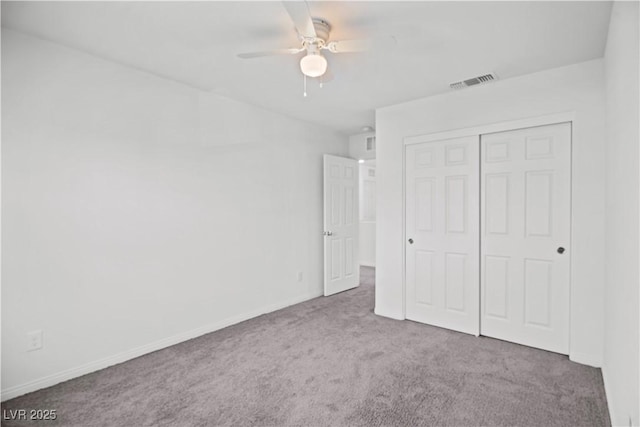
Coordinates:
(487, 223)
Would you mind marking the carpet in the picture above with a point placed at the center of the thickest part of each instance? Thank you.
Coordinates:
(331, 362)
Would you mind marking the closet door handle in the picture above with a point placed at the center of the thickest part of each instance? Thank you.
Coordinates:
(411, 241)
(560, 250)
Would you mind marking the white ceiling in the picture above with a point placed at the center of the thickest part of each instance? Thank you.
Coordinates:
(437, 43)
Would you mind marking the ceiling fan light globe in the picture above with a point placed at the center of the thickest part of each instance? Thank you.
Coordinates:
(313, 65)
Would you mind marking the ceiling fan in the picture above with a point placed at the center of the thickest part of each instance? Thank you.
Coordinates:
(313, 34)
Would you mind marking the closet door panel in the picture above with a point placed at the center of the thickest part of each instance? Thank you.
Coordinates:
(442, 232)
(525, 199)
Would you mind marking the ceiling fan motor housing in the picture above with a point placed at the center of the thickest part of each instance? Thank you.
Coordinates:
(322, 28)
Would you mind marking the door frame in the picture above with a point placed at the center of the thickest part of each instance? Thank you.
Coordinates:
(551, 119)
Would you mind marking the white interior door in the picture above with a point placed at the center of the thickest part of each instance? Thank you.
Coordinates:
(526, 199)
(341, 270)
(442, 232)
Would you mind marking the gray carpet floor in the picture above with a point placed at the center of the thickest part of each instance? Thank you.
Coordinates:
(331, 362)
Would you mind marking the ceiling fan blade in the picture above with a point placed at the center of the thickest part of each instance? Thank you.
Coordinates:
(291, 51)
(362, 45)
(301, 17)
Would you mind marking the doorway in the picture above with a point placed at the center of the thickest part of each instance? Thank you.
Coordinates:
(367, 220)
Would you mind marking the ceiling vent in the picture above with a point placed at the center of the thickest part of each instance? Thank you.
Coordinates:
(486, 78)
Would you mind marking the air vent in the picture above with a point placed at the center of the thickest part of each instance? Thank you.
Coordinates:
(371, 143)
(474, 81)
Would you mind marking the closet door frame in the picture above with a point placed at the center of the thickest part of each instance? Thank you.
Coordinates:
(477, 131)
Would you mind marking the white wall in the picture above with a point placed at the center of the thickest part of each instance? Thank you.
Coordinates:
(138, 212)
(620, 368)
(577, 88)
(367, 195)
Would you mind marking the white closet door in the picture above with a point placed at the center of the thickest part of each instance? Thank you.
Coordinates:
(442, 232)
(526, 199)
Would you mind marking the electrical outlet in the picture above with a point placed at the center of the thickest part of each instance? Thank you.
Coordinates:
(299, 276)
(34, 340)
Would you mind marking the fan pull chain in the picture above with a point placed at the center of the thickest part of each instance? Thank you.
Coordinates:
(305, 86)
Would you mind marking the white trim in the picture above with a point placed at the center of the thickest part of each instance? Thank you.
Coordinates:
(97, 365)
(493, 127)
(609, 396)
(581, 356)
(404, 231)
(586, 359)
(387, 315)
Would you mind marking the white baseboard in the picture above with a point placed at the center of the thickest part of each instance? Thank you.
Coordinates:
(608, 395)
(389, 315)
(586, 359)
(96, 365)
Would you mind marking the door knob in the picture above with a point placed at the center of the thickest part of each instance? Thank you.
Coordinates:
(560, 250)
(328, 233)
(411, 241)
